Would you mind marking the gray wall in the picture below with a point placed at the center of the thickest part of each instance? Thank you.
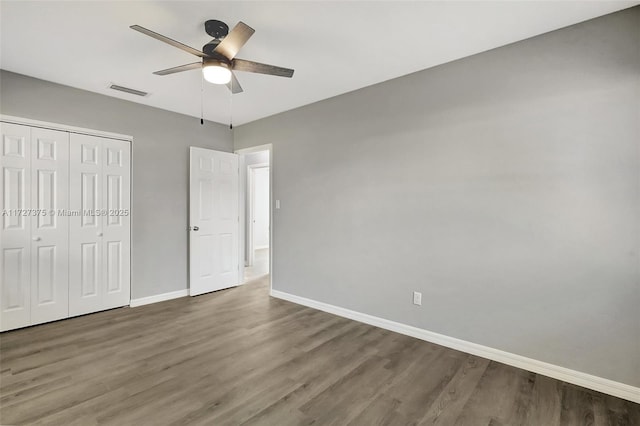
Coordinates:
(160, 155)
(505, 187)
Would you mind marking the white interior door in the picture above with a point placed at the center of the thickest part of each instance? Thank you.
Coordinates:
(15, 238)
(49, 225)
(213, 221)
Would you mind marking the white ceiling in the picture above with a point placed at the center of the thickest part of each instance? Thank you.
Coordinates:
(334, 46)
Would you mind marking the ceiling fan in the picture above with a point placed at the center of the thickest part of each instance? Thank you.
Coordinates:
(219, 55)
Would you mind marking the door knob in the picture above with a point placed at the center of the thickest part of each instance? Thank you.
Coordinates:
(99, 234)
(195, 228)
(36, 238)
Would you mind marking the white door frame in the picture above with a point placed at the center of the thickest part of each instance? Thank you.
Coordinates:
(251, 208)
(242, 209)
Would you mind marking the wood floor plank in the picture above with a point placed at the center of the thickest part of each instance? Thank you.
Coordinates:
(577, 406)
(310, 369)
(383, 410)
(349, 395)
(546, 402)
(240, 357)
(444, 410)
(495, 396)
(426, 381)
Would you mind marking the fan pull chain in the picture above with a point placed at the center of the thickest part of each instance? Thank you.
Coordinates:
(201, 100)
(231, 95)
(231, 107)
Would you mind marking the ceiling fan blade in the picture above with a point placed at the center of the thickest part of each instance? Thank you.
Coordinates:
(234, 85)
(180, 68)
(168, 40)
(233, 42)
(250, 66)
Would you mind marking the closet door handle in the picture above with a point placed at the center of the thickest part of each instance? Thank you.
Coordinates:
(99, 234)
(36, 238)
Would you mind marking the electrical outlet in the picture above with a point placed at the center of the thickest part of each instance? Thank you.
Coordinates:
(417, 298)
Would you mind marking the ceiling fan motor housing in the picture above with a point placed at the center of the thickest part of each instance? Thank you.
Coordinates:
(218, 62)
(209, 48)
(216, 29)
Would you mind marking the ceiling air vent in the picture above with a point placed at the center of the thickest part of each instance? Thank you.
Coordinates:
(128, 90)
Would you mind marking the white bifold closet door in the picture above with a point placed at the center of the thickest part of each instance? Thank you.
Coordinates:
(100, 233)
(49, 228)
(34, 263)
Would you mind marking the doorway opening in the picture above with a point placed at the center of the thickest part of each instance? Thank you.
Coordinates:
(255, 207)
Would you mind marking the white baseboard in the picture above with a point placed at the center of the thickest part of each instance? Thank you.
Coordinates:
(158, 298)
(620, 390)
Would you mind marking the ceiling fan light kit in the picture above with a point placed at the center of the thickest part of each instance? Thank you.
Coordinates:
(218, 61)
(216, 71)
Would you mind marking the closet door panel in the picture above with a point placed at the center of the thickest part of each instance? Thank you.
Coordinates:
(15, 238)
(116, 223)
(49, 225)
(86, 287)
(65, 224)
